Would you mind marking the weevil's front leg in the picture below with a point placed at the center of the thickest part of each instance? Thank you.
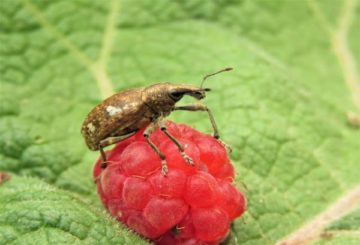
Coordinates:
(148, 131)
(110, 141)
(201, 107)
(176, 142)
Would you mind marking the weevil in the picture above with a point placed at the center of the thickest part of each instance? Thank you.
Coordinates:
(123, 114)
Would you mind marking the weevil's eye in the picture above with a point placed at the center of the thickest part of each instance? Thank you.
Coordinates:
(176, 95)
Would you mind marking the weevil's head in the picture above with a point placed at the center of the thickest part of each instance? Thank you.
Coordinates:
(162, 97)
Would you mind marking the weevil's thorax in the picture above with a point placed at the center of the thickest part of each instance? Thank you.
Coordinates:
(157, 98)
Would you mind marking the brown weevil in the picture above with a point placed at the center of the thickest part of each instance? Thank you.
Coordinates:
(121, 115)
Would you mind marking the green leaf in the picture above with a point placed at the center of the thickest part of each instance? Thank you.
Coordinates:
(33, 212)
(289, 109)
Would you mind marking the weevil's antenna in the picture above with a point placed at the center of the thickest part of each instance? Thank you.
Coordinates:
(212, 74)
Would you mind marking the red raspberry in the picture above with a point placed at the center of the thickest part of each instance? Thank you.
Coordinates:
(190, 205)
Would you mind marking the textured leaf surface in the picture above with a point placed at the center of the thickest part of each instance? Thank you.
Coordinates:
(33, 212)
(283, 110)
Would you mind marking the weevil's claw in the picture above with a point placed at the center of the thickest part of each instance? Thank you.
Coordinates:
(164, 168)
(227, 147)
(187, 158)
(103, 165)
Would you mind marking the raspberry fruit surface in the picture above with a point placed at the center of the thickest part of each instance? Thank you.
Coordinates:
(190, 205)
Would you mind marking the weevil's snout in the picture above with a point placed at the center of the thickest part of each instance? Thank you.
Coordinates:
(178, 91)
(200, 94)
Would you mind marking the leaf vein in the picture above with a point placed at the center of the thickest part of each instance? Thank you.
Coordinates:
(313, 229)
(99, 67)
(339, 44)
(342, 51)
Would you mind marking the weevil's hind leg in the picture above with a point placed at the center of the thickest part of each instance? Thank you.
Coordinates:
(148, 131)
(110, 141)
(176, 142)
(103, 157)
(201, 107)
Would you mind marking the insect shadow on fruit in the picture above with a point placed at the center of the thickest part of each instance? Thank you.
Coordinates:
(123, 114)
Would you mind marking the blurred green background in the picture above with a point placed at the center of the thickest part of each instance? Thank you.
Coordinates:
(290, 109)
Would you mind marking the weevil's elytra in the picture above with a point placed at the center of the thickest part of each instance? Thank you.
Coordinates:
(115, 110)
(121, 115)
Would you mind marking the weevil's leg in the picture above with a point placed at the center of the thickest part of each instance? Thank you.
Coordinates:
(110, 141)
(103, 157)
(176, 142)
(148, 131)
(201, 107)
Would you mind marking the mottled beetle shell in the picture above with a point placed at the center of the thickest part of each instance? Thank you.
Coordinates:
(115, 116)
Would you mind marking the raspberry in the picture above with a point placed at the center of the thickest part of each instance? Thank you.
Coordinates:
(137, 192)
(190, 205)
(173, 209)
(202, 190)
(171, 186)
(210, 224)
